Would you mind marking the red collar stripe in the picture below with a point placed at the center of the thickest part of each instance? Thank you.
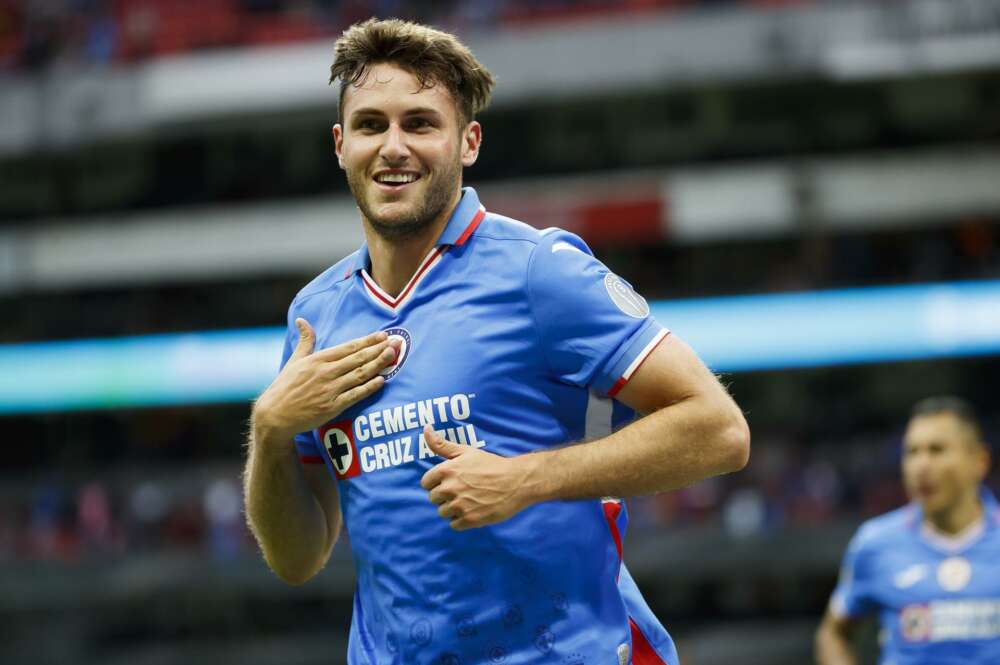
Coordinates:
(432, 258)
(393, 303)
(471, 227)
(427, 264)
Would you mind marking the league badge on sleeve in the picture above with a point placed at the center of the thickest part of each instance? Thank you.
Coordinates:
(625, 298)
(338, 441)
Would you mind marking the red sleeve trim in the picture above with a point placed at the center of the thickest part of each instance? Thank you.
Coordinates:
(620, 383)
(311, 459)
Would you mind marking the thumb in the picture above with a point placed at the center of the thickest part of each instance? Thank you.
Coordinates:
(441, 446)
(307, 339)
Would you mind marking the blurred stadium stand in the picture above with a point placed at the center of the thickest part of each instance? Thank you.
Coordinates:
(166, 166)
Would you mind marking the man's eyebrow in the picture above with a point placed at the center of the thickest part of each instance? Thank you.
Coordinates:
(422, 111)
(371, 110)
(367, 110)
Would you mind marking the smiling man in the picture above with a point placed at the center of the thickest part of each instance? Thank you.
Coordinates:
(460, 394)
(930, 571)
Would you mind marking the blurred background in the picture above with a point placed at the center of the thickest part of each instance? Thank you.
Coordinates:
(807, 191)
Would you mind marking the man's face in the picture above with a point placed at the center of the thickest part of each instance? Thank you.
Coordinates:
(403, 149)
(942, 463)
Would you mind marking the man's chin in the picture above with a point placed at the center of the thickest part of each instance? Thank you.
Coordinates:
(932, 505)
(397, 223)
(390, 212)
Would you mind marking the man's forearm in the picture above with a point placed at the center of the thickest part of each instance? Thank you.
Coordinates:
(670, 448)
(833, 647)
(284, 515)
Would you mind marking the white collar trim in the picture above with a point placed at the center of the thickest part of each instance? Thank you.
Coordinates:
(959, 541)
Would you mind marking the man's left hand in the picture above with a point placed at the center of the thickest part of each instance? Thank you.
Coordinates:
(472, 487)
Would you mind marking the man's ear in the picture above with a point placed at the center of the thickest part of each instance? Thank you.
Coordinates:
(472, 139)
(338, 143)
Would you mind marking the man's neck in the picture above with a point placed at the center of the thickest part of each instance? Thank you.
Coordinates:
(393, 262)
(956, 519)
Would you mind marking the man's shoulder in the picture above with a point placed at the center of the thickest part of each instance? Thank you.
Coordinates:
(501, 227)
(886, 529)
(516, 240)
(327, 281)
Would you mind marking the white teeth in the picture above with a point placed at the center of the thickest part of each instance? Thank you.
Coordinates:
(396, 178)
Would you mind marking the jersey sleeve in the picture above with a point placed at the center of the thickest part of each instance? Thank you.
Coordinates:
(305, 442)
(854, 595)
(595, 330)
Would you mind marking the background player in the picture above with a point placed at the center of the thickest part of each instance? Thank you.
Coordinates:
(510, 340)
(930, 571)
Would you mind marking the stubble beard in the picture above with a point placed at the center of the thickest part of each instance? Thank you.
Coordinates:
(439, 194)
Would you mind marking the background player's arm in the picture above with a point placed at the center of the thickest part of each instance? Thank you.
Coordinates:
(293, 511)
(834, 641)
(693, 430)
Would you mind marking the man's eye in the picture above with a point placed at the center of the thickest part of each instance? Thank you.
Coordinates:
(369, 124)
(419, 123)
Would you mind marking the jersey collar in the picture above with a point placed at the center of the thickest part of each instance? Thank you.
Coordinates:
(972, 534)
(464, 221)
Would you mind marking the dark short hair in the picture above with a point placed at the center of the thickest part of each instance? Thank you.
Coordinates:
(431, 55)
(956, 406)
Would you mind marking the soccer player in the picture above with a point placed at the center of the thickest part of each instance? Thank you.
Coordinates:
(930, 571)
(459, 393)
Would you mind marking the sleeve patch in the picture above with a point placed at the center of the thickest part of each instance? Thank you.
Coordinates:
(625, 298)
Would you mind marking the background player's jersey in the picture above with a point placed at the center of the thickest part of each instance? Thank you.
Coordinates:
(514, 340)
(937, 598)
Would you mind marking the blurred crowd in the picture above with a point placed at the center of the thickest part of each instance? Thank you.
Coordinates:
(67, 521)
(37, 33)
(787, 485)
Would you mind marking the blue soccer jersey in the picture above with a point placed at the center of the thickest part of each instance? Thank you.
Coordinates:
(937, 598)
(513, 340)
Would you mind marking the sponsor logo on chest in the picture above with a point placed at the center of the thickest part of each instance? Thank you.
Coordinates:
(386, 438)
(943, 620)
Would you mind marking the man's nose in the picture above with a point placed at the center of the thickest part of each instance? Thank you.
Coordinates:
(394, 148)
(920, 464)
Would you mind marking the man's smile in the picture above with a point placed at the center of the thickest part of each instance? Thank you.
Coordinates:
(395, 180)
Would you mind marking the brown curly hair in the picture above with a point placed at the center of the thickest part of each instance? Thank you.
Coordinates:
(431, 55)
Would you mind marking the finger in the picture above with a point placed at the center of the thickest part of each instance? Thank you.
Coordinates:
(449, 512)
(307, 339)
(438, 497)
(354, 395)
(347, 348)
(462, 524)
(360, 357)
(359, 375)
(432, 478)
(440, 446)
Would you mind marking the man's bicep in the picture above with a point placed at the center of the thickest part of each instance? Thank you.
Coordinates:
(324, 489)
(671, 373)
(842, 623)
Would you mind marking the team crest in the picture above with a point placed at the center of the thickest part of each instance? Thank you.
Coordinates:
(403, 335)
(338, 441)
(915, 623)
(954, 573)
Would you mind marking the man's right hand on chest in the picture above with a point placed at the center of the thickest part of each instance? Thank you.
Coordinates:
(314, 388)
